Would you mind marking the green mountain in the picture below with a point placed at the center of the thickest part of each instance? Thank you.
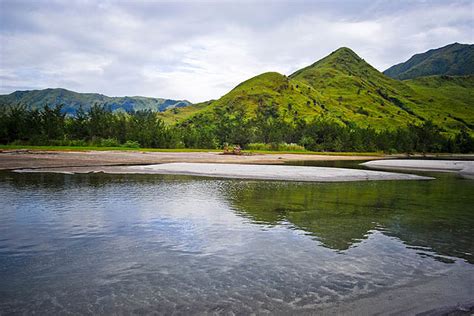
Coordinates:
(343, 88)
(71, 101)
(454, 60)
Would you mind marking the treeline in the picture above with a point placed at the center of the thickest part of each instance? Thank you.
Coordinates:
(95, 127)
(231, 125)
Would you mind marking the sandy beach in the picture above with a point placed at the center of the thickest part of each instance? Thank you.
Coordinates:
(15, 159)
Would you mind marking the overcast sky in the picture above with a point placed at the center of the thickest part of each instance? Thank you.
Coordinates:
(199, 50)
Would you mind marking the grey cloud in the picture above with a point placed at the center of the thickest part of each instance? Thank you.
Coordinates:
(199, 50)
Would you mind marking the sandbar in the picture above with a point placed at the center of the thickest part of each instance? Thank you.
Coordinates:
(464, 168)
(243, 171)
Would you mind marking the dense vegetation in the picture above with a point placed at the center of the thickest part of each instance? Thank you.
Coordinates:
(100, 127)
(71, 101)
(454, 59)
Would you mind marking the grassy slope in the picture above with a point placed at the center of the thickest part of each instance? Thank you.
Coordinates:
(345, 88)
(173, 116)
(449, 100)
(453, 59)
(292, 98)
(356, 92)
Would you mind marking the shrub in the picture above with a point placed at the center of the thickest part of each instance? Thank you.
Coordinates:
(258, 146)
(109, 142)
(275, 147)
(362, 111)
(131, 144)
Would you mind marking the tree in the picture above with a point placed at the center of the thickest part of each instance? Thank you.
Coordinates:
(463, 142)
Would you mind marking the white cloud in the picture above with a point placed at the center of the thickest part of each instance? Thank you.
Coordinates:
(200, 50)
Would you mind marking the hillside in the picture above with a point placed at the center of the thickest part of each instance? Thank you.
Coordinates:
(454, 60)
(343, 88)
(268, 88)
(71, 101)
(356, 92)
(450, 99)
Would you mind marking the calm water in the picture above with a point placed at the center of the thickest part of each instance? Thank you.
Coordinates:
(136, 244)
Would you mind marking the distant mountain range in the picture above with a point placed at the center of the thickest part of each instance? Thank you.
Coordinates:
(342, 87)
(453, 60)
(72, 101)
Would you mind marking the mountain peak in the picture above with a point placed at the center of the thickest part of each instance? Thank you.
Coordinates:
(343, 50)
(345, 54)
(343, 59)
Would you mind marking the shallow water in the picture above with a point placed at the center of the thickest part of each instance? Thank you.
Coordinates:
(137, 244)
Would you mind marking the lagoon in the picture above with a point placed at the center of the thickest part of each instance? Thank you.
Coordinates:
(102, 244)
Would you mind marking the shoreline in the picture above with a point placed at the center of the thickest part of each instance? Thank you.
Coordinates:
(445, 294)
(34, 159)
(464, 169)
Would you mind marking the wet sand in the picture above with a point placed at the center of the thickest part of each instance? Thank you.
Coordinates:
(15, 159)
(242, 171)
(448, 294)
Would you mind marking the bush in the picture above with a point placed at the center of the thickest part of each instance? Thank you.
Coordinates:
(68, 142)
(290, 147)
(258, 146)
(78, 142)
(362, 111)
(109, 142)
(275, 147)
(131, 144)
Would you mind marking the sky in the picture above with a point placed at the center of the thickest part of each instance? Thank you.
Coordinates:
(199, 50)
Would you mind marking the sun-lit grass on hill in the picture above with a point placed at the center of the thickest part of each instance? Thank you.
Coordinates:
(175, 115)
(357, 92)
(447, 101)
(293, 98)
(345, 89)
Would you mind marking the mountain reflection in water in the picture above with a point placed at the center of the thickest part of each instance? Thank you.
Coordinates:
(102, 244)
(436, 214)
